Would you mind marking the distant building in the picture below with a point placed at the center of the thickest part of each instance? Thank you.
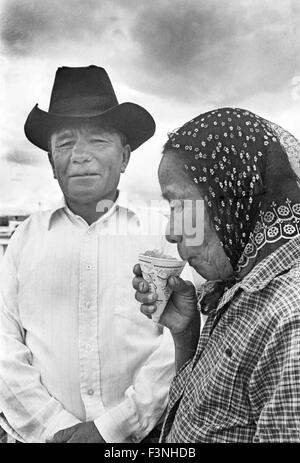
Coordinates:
(8, 224)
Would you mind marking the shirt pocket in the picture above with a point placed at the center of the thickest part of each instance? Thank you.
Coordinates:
(218, 398)
(28, 278)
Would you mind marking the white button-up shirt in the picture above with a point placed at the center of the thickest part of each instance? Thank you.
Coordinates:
(74, 345)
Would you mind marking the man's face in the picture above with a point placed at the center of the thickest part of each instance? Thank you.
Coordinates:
(208, 258)
(87, 163)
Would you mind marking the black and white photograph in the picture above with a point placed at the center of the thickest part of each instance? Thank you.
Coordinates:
(150, 224)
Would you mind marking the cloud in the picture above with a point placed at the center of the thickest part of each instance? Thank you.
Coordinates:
(23, 156)
(175, 57)
(28, 26)
(24, 187)
(216, 50)
(180, 49)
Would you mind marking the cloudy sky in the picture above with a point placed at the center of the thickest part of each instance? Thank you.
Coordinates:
(177, 58)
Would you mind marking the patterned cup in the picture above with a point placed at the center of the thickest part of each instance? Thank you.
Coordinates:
(156, 271)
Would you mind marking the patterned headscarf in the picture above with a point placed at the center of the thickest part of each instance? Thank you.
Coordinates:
(246, 168)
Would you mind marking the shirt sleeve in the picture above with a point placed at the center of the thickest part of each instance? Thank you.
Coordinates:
(275, 384)
(30, 412)
(145, 401)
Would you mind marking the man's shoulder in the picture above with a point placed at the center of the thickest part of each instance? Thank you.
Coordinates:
(30, 227)
(38, 218)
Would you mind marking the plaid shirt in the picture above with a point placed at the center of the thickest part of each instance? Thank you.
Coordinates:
(243, 384)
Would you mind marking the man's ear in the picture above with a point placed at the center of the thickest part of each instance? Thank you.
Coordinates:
(52, 164)
(126, 157)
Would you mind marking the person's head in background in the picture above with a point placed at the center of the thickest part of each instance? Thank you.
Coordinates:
(238, 164)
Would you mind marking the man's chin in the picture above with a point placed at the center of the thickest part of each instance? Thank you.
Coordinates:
(83, 196)
(81, 183)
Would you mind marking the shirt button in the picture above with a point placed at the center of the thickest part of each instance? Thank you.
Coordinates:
(91, 392)
(88, 305)
(89, 231)
(88, 267)
(87, 347)
(228, 352)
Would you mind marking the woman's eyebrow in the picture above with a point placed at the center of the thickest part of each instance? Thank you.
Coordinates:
(171, 195)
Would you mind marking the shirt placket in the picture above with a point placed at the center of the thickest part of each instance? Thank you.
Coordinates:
(88, 326)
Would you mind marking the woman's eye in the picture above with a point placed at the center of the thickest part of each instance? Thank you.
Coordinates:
(176, 208)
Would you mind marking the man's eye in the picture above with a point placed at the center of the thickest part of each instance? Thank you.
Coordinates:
(99, 142)
(67, 145)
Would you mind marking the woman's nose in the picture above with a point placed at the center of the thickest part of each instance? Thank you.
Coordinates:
(173, 238)
(173, 235)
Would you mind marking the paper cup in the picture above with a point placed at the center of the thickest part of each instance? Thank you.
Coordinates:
(156, 271)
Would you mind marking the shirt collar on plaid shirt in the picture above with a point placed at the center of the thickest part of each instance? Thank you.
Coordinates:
(262, 274)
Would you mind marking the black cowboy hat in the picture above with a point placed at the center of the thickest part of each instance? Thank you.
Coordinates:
(86, 93)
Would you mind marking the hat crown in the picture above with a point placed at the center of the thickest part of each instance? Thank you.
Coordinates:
(86, 93)
(82, 91)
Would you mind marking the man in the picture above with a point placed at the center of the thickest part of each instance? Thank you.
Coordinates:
(78, 362)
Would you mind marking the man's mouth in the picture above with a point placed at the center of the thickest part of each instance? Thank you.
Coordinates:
(86, 174)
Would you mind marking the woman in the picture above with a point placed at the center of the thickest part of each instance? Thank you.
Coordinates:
(240, 380)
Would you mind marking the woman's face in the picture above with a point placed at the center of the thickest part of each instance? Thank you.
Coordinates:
(206, 255)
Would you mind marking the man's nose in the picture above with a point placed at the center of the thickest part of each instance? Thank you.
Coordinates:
(80, 154)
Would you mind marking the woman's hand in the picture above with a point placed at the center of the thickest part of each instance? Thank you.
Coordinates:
(181, 308)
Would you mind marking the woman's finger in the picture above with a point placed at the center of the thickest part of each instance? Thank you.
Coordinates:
(145, 298)
(137, 270)
(140, 284)
(148, 310)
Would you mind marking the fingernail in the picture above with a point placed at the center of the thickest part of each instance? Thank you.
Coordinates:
(141, 286)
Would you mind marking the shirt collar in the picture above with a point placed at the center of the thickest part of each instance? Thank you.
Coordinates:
(122, 202)
(263, 273)
(61, 204)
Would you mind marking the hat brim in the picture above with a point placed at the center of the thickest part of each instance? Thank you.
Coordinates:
(129, 118)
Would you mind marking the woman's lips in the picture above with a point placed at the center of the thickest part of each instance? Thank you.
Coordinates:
(195, 259)
(190, 260)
